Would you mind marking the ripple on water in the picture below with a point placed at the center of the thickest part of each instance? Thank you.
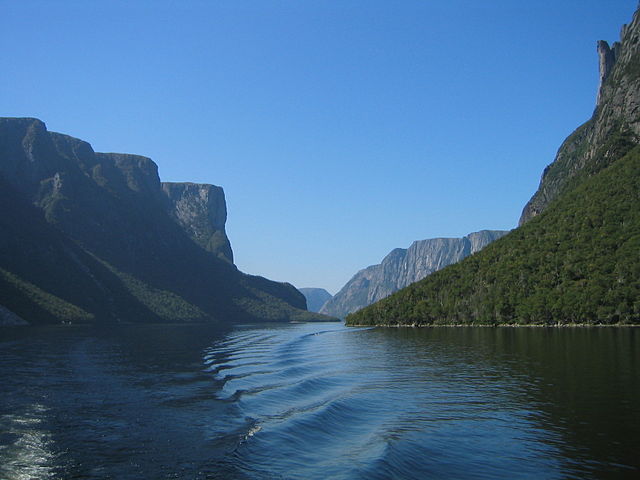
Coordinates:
(25, 445)
(338, 403)
(312, 401)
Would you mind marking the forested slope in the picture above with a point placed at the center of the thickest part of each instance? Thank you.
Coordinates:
(576, 256)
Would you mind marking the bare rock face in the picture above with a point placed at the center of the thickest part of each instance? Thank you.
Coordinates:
(613, 129)
(607, 57)
(201, 210)
(134, 173)
(402, 267)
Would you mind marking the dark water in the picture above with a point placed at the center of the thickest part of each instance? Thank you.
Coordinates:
(319, 401)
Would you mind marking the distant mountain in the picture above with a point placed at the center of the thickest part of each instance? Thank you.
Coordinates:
(574, 259)
(96, 237)
(316, 298)
(402, 267)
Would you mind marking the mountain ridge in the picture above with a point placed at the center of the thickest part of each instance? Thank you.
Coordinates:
(96, 236)
(403, 266)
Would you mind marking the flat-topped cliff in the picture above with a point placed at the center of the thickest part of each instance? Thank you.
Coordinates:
(96, 237)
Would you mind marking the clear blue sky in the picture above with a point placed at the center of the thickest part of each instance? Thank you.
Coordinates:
(339, 129)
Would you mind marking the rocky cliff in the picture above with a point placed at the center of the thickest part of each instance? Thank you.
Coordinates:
(613, 129)
(316, 298)
(201, 210)
(96, 237)
(574, 259)
(402, 267)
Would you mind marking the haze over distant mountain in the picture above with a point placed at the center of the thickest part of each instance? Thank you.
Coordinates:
(401, 267)
(575, 257)
(96, 237)
(316, 298)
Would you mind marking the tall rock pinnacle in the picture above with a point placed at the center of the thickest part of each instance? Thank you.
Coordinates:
(607, 58)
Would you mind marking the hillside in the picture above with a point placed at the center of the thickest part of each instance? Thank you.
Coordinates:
(575, 257)
(94, 237)
(403, 266)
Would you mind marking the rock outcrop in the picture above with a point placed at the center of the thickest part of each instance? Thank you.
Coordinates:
(316, 298)
(402, 267)
(200, 209)
(613, 129)
(607, 58)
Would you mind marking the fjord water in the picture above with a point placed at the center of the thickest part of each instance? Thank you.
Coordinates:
(319, 401)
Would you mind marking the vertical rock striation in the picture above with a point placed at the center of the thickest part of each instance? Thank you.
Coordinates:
(401, 267)
(613, 129)
(200, 209)
(607, 58)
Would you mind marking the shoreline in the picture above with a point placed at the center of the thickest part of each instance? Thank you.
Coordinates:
(504, 325)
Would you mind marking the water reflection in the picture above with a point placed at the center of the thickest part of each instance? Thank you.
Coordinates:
(579, 387)
(25, 445)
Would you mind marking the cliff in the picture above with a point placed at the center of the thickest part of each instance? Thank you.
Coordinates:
(574, 259)
(95, 237)
(613, 129)
(402, 267)
(201, 210)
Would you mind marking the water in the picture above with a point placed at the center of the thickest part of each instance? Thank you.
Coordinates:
(319, 401)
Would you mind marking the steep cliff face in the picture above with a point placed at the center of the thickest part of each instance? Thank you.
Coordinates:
(613, 129)
(94, 237)
(402, 267)
(607, 59)
(201, 210)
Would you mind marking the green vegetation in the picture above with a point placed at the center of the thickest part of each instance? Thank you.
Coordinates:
(261, 305)
(164, 304)
(46, 308)
(87, 237)
(575, 258)
(577, 262)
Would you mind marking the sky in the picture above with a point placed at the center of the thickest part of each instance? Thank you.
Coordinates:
(339, 129)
